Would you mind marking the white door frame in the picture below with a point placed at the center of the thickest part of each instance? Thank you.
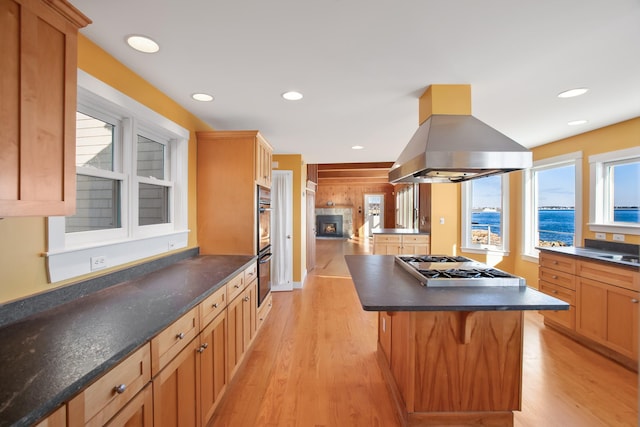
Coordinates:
(367, 224)
(282, 231)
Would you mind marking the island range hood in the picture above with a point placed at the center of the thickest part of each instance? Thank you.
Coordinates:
(456, 148)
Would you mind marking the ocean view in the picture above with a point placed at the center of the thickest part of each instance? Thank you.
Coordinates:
(556, 225)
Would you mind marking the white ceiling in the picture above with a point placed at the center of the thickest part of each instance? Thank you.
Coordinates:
(362, 64)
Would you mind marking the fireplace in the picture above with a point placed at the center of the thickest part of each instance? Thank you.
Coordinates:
(329, 226)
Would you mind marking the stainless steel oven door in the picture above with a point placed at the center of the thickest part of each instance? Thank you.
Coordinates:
(264, 218)
(264, 274)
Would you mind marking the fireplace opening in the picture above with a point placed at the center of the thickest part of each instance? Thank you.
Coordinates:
(329, 226)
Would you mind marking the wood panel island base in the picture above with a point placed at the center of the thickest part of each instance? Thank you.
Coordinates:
(450, 356)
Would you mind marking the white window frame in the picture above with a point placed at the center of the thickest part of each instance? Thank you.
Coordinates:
(71, 255)
(600, 186)
(466, 207)
(530, 208)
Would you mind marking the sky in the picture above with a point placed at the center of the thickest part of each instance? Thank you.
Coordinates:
(557, 187)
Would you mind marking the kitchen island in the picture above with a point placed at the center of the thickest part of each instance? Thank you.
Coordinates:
(451, 355)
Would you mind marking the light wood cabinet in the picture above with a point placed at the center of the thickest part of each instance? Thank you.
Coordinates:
(138, 412)
(168, 343)
(242, 323)
(603, 298)
(229, 165)
(56, 419)
(99, 402)
(213, 365)
(39, 47)
(263, 311)
(176, 390)
(401, 244)
(384, 334)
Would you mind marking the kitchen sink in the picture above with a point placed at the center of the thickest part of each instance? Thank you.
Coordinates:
(626, 258)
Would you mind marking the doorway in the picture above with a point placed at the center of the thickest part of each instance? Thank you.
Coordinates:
(282, 230)
(373, 213)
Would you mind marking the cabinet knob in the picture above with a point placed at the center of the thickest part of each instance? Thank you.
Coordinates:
(180, 335)
(215, 305)
(236, 286)
(120, 388)
(554, 277)
(203, 347)
(554, 291)
(555, 262)
(633, 300)
(246, 298)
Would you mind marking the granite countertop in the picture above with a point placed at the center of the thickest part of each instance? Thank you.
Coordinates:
(397, 231)
(382, 285)
(47, 358)
(594, 254)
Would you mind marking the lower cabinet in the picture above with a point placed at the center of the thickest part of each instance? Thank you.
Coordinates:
(384, 333)
(401, 244)
(180, 376)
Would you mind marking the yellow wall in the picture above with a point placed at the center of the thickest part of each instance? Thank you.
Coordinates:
(295, 163)
(445, 206)
(23, 240)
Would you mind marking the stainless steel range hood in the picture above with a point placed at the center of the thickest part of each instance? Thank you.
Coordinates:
(456, 148)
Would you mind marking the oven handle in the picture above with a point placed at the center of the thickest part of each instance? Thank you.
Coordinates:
(265, 258)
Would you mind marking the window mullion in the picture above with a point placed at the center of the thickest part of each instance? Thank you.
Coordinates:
(128, 159)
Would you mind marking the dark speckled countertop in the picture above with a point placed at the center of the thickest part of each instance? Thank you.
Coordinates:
(47, 358)
(382, 285)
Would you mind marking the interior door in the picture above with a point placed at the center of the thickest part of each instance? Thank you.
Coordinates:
(282, 230)
(311, 230)
(373, 212)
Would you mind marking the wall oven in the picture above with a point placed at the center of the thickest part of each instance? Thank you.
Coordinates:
(264, 243)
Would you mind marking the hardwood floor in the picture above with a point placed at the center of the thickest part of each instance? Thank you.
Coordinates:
(314, 364)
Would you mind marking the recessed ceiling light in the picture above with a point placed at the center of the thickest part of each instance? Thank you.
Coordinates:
(292, 96)
(573, 92)
(204, 97)
(357, 147)
(143, 44)
(576, 122)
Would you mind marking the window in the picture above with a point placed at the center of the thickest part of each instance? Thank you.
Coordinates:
(485, 214)
(406, 207)
(131, 179)
(552, 212)
(615, 186)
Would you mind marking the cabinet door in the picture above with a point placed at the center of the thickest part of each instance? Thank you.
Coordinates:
(249, 314)
(234, 334)
(384, 333)
(137, 413)
(56, 419)
(591, 319)
(622, 321)
(213, 365)
(38, 104)
(175, 390)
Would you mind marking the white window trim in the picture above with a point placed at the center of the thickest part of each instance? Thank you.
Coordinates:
(598, 206)
(529, 219)
(69, 259)
(465, 215)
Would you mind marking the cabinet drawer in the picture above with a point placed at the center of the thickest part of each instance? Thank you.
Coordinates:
(168, 343)
(566, 295)
(251, 273)
(235, 286)
(610, 274)
(385, 238)
(557, 277)
(104, 398)
(213, 305)
(263, 310)
(563, 263)
(566, 318)
(423, 239)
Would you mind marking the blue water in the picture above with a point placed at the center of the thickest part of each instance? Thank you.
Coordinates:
(554, 225)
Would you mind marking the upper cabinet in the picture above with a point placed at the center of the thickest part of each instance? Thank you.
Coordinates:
(231, 164)
(38, 41)
(264, 155)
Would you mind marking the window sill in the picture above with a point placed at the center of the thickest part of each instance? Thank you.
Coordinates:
(615, 228)
(75, 262)
(487, 251)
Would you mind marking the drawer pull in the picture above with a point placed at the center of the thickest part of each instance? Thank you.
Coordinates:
(246, 298)
(554, 291)
(215, 305)
(236, 286)
(554, 277)
(633, 300)
(120, 388)
(180, 335)
(555, 262)
(203, 347)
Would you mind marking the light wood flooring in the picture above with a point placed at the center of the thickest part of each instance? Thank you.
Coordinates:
(314, 364)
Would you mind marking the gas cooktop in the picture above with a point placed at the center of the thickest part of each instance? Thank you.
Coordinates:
(444, 270)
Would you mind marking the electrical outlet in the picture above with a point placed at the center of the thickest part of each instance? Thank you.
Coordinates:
(618, 237)
(601, 236)
(441, 220)
(98, 262)
(172, 245)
